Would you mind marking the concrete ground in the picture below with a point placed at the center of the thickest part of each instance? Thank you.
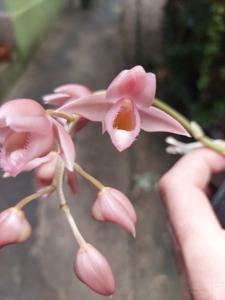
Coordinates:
(85, 47)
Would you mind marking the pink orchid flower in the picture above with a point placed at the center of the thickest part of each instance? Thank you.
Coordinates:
(126, 108)
(27, 133)
(63, 95)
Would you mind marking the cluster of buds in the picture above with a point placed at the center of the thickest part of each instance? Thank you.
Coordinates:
(32, 137)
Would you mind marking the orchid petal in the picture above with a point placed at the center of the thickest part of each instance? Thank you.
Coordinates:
(65, 143)
(74, 90)
(93, 107)
(122, 137)
(72, 181)
(38, 161)
(129, 83)
(22, 107)
(113, 91)
(154, 119)
(31, 124)
(56, 99)
(146, 96)
(65, 93)
(24, 115)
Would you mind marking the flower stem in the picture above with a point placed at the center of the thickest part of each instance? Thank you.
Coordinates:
(71, 119)
(173, 113)
(68, 117)
(79, 238)
(34, 196)
(88, 177)
(73, 123)
(193, 128)
(63, 203)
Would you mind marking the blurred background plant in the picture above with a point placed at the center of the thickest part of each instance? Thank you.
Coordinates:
(194, 34)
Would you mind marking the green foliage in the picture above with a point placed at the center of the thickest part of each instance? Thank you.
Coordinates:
(195, 43)
(29, 20)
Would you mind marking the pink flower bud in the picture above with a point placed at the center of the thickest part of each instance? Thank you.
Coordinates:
(45, 172)
(92, 268)
(113, 206)
(14, 227)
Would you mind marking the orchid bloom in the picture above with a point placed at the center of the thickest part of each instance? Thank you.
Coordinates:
(27, 133)
(66, 93)
(45, 172)
(126, 108)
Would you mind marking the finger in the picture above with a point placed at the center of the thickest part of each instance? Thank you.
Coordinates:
(198, 166)
(182, 191)
(198, 232)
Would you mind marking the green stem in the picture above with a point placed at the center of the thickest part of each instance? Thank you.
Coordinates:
(28, 199)
(210, 143)
(192, 128)
(68, 117)
(88, 176)
(73, 124)
(173, 113)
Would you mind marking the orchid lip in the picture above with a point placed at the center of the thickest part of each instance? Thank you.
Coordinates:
(124, 119)
(4, 122)
(12, 154)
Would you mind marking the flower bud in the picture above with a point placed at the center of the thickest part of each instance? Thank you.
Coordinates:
(113, 206)
(45, 173)
(92, 268)
(14, 227)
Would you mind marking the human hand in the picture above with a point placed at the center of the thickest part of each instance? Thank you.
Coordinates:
(199, 236)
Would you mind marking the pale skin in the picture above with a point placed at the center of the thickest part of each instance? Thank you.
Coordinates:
(199, 238)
